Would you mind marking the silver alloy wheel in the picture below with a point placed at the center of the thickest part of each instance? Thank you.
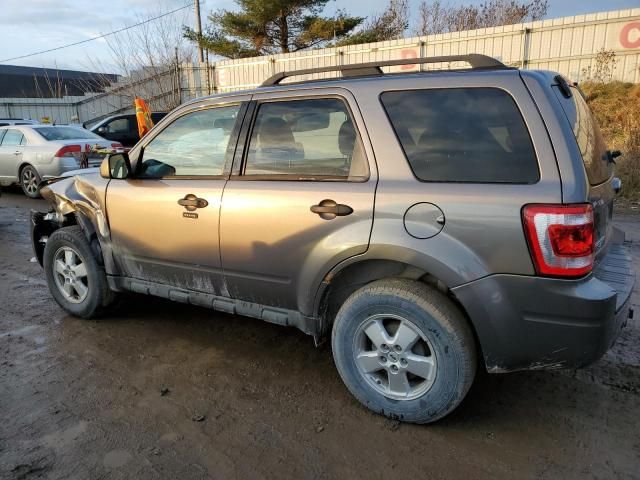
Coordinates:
(395, 357)
(29, 181)
(70, 273)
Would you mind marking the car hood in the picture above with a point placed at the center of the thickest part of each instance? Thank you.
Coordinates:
(81, 171)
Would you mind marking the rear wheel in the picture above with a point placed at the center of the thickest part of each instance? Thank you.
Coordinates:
(75, 279)
(404, 350)
(30, 181)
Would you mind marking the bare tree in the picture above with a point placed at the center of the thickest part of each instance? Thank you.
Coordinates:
(436, 17)
(147, 58)
(388, 25)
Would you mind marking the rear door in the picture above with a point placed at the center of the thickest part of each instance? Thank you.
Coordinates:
(596, 159)
(299, 201)
(11, 150)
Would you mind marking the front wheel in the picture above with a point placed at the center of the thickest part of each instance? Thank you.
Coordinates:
(30, 181)
(75, 279)
(404, 350)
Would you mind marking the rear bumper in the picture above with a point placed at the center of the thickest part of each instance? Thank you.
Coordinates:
(529, 323)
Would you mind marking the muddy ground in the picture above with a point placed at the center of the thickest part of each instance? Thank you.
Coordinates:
(164, 390)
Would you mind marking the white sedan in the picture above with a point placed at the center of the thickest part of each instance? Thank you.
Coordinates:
(32, 153)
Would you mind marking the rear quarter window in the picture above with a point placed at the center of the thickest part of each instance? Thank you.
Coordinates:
(474, 135)
(588, 136)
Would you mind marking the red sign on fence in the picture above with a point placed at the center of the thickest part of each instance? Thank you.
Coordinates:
(630, 35)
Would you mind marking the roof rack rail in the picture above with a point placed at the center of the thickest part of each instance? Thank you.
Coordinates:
(476, 60)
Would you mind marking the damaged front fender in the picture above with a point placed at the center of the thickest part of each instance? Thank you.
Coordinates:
(75, 200)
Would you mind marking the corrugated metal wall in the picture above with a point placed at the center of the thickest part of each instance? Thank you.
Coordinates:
(568, 45)
(161, 90)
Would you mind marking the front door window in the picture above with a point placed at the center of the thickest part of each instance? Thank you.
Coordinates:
(195, 144)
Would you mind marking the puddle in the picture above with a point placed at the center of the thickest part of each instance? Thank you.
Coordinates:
(19, 331)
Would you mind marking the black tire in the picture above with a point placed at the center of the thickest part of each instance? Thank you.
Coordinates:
(98, 296)
(437, 322)
(29, 180)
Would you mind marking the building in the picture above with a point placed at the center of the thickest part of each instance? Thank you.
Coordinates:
(31, 82)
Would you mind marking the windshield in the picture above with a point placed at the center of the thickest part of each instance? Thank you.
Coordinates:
(65, 133)
(91, 123)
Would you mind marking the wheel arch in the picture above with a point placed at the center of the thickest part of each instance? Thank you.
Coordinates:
(44, 225)
(21, 166)
(76, 201)
(346, 278)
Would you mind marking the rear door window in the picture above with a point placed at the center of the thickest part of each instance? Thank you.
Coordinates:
(587, 132)
(12, 138)
(474, 135)
(311, 139)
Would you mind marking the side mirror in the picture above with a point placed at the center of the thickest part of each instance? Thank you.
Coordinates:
(611, 156)
(115, 165)
(102, 130)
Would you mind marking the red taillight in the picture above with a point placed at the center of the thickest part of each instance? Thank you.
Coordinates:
(560, 238)
(117, 146)
(69, 151)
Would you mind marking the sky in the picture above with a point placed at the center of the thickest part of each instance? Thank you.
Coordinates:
(28, 26)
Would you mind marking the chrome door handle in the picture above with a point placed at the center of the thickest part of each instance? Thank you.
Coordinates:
(329, 209)
(190, 202)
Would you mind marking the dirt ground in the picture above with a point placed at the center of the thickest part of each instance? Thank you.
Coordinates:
(163, 390)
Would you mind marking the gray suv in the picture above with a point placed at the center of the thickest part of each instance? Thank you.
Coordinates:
(432, 223)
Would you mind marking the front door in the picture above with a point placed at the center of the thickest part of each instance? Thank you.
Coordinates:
(123, 130)
(301, 202)
(164, 220)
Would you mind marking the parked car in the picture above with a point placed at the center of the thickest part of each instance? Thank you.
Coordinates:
(430, 223)
(16, 121)
(122, 128)
(31, 153)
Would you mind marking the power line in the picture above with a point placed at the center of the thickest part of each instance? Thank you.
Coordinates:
(98, 37)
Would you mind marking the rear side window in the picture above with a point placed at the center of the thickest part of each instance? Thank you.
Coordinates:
(119, 125)
(474, 135)
(12, 138)
(312, 139)
(590, 142)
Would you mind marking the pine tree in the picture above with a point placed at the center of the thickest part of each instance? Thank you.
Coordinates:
(264, 27)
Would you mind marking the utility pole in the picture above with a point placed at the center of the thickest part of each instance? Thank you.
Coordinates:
(199, 28)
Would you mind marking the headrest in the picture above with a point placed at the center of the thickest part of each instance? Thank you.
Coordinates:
(275, 132)
(346, 138)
